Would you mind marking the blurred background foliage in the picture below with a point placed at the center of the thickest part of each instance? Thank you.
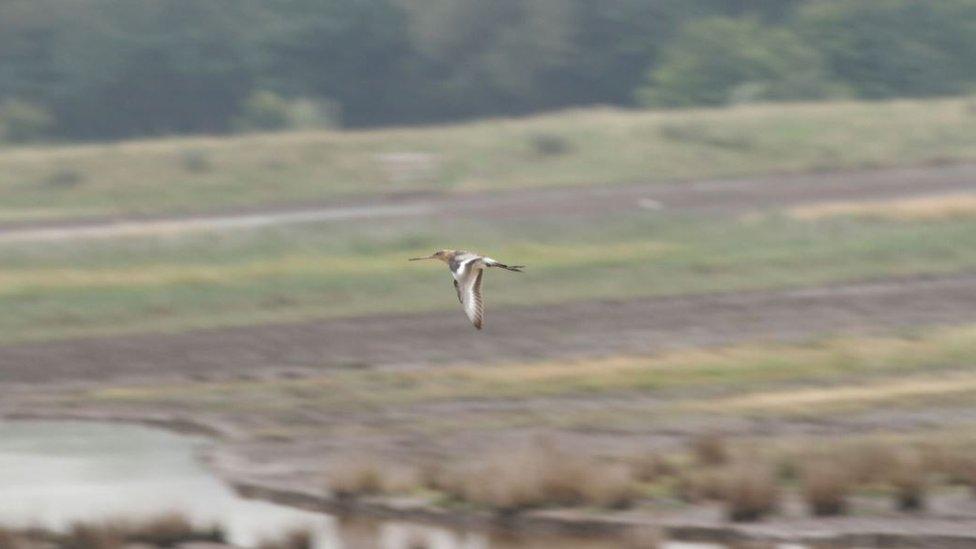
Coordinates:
(104, 69)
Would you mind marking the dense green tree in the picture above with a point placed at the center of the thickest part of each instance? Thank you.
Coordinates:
(520, 55)
(889, 48)
(107, 69)
(721, 60)
(355, 52)
(22, 121)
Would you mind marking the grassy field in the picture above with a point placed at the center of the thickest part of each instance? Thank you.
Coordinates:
(320, 271)
(616, 404)
(581, 147)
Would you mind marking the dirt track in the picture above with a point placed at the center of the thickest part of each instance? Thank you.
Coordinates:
(574, 329)
(717, 196)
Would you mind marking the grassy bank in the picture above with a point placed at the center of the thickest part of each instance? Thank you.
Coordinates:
(581, 147)
(58, 290)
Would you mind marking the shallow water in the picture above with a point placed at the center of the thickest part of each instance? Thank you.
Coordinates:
(56, 473)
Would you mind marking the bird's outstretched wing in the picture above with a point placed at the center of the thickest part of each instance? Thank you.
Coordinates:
(470, 293)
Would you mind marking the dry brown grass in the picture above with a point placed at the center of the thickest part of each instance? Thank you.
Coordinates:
(13, 540)
(168, 530)
(542, 474)
(294, 539)
(353, 476)
(868, 461)
(967, 473)
(751, 492)
(651, 466)
(710, 449)
(94, 536)
(909, 479)
(701, 484)
(929, 208)
(825, 486)
(868, 394)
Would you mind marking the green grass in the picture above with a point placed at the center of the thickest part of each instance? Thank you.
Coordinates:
(321, 271)
(595, 146)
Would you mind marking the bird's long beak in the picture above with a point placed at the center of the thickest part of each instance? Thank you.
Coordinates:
(421, 258)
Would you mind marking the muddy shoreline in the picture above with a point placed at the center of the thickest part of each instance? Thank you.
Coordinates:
(875, 532)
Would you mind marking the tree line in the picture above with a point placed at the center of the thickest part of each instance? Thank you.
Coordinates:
(110, 69)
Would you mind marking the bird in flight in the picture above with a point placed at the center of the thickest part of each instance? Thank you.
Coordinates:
(468, 269)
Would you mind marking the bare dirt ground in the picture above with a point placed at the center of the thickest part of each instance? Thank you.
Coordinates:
(712, 197)
(591, 328)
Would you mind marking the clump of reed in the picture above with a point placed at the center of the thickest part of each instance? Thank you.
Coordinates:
(13, 540)
(751, 491)
(868, 461)
(651, 466)
(710, 449)
(542, 474)
(909, 479)
(698, 485)
(349, 477)
(825, 486)
(300, 538)
(167, 530)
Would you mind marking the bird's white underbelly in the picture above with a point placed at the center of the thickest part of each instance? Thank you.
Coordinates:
(468, 267)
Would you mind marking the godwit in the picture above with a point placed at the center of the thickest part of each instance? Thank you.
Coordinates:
(468, 269)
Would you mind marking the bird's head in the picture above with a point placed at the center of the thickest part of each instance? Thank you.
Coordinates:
(443, 255)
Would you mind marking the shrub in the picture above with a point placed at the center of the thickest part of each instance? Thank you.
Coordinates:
(694, 132)
(90, 536)
(719, 60)
(64, 179)
(542, 474)
(263, 110)
(896, 48)
(649, 466)
(825, 487)
(548, 144)
(170, 530)
(294, 539)
(268, 111)
(751, 492)
(694, 486)
(350, 477)
(163, 531)
(710, 449)
(869, 461)
(909, 480)
(968, 475)
(12, 540)
(22, 121)
(195, 161)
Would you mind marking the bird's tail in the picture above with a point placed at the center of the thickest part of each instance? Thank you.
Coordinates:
(513, 268)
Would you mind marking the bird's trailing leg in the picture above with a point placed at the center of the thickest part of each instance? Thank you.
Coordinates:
(513, 268)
